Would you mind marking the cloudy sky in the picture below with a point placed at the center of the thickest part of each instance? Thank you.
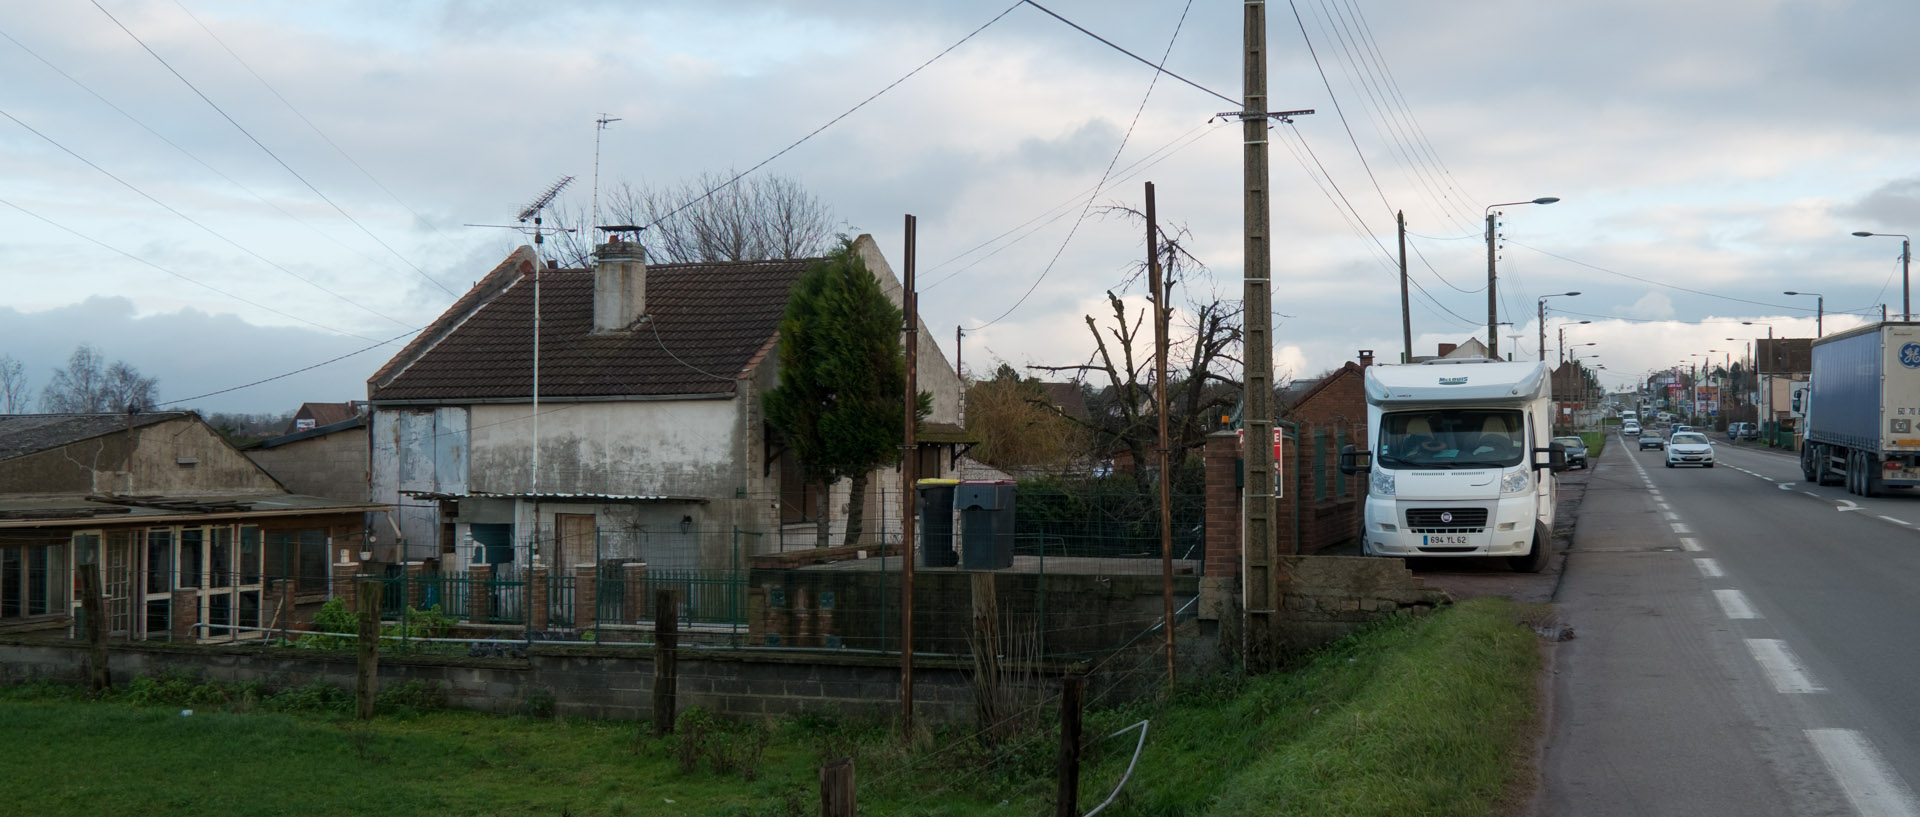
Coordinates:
(289, 186)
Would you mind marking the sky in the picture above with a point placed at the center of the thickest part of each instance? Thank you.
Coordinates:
(223, 193)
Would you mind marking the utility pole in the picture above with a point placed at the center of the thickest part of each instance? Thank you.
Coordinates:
(1160, 408)
(1258, 589)
(910, 304)
(1406, 316)
(1493, 304)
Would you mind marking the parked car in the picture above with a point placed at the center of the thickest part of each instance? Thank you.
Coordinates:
(1689, 448)
(1576, 450)
(1749, 431)
(1652, 439)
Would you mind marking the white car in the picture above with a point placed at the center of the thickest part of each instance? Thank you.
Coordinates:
(1689, 448)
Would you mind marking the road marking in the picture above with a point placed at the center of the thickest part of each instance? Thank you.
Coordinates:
(1765, 477)
(1709, 568)
(1870, 785)
(1788, 675)
(1734, 604)
(1811, 494)
(1848, 504)
(1670, 515)
(1896, 521)
(1663, 506)
(1787, 486)
(1690, 543)
(1680, 527)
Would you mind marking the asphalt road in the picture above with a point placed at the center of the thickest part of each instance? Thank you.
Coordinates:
(1743, 645)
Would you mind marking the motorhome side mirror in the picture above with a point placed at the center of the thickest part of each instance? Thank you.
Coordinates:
(1355, 461)
(1556, 458)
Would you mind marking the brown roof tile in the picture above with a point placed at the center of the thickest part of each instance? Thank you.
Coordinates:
(705, 325)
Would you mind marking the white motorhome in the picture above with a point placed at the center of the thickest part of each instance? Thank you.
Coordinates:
(1460, 463)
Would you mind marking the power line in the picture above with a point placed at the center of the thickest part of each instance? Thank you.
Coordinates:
(189, 219)
(1104, 175)
(276, 157)
(831, 122)
(1598, 268)
(209, 287)
(316, 128)
(294, 372)
(1137, 57)
(182, 150)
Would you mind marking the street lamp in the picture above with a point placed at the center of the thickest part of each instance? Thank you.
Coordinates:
(1543, 316)
(1819, 311)
(1493, 303)
(1906, 257)
(1563, 337)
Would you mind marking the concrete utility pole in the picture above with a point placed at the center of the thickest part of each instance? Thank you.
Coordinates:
(1258, 589)
(1160, 408)
(1406, 316)
(1493, 303)
(910, 304)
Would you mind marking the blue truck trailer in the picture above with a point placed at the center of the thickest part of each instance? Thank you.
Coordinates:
(1861, 408)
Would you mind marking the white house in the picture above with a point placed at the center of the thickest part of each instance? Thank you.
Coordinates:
(648, 442)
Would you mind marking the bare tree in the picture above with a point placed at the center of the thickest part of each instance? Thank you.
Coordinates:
(713, 217)
(90, 385)
(15, 396)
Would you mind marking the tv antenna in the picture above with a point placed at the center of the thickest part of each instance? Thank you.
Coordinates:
(599, 126)
(533, 211)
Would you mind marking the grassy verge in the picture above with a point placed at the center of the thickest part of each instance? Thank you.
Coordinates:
(1596, 442)
(1426, 715)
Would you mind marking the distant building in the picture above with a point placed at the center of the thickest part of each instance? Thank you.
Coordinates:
(314, 415)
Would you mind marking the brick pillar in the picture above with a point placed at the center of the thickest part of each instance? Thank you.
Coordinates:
(586, 593)
(478, 593)
(635, 597)
(1223, 496)
(537, 607)
(186, 613)
(343, 583)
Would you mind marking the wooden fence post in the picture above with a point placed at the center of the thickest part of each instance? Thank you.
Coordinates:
(666, 676)
(367, 684)
(836, 788)
(96, 628)
(1067, 802)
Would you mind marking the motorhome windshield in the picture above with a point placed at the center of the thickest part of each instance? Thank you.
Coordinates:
(1452, 438)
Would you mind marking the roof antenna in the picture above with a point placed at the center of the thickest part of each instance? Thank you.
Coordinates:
(599, 126)
(533, 211)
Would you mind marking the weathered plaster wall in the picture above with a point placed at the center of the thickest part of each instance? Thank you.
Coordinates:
(102, 465)
(424, 449)
(670, 447)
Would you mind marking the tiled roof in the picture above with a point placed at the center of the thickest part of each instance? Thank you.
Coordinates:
(326, 414)
(706, 325)
(22, 434)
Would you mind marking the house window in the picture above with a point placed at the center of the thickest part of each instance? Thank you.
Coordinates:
(299, 556)
(33, 581)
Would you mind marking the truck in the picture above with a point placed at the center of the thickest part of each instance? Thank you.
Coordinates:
(1859, 409)
(1460, 461)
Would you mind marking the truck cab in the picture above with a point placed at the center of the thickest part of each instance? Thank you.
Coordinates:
(1460, 461)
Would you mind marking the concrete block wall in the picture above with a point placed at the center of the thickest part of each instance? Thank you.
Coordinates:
(332, 466)
(1323, 598)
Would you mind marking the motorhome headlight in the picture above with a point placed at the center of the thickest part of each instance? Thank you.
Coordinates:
(1516, 482)
(1380, 483)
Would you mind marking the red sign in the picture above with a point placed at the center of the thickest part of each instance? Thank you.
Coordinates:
(1242, 435)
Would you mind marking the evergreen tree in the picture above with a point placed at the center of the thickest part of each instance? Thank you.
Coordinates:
(838, 405)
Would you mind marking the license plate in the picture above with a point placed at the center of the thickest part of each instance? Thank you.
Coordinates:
(1447, 539)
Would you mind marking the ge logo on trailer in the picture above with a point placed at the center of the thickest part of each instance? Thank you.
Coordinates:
(1910, 355)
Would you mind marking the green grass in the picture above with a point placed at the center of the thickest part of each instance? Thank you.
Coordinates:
(1426, 715)
(1595, 440)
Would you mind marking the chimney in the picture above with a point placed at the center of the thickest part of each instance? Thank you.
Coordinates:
(1447, 348)
(619, 286)
(1366, 358)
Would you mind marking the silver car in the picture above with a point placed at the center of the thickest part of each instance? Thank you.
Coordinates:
(1689, 448)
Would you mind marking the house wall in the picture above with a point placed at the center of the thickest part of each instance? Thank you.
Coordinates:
(417, 449)
(677, 447)
(933, 372)
(103, 465)
(334, 466)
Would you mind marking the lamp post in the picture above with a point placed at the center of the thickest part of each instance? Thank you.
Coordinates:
(1493, 303)
(1543, 319)
(1563, 337)
(1819, 311)
(1906, 259)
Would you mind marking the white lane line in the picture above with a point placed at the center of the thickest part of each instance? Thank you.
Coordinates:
(1788, 675)
(1734, 604)
(1663, 506)
(1709, 568)
(1811, 494)
(1896, 521)
(1788, 486)
(1872, 786)
(1690, 544)
(1848, 505)
(1680, 527)
(1671, 516)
